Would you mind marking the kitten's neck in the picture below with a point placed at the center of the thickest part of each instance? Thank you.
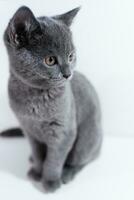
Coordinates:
(49, 92)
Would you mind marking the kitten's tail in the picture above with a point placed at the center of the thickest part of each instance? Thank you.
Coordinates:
(14, 132)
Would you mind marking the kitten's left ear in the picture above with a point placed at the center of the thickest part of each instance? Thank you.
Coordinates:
(21, 26)
(67, 18)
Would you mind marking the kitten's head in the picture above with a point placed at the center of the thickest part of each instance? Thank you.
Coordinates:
(41, 50)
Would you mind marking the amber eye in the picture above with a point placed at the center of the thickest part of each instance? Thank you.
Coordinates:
(71, 57)
(50, 60)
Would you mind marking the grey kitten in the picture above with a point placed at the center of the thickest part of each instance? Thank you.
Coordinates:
(57, 108)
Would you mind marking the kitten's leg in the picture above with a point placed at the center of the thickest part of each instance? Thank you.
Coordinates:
(38, 157)
(86, 148)
(56, 155)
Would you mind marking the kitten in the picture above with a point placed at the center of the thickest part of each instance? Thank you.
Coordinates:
(57, 108)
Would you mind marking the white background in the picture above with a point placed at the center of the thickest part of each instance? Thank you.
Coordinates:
(104, 37)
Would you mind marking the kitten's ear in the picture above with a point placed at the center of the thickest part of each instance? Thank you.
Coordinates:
(21, 26)
(67, 18)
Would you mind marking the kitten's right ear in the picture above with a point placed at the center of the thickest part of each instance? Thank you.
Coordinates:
(20, 27)
(67, 18)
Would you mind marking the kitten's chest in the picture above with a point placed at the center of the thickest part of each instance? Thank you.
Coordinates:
(43, 106)
(37, 104)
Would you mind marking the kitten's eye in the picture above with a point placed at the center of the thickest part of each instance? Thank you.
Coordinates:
(71, 57)
(50, 60)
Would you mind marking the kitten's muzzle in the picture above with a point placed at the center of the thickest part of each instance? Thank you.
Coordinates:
(66, 72)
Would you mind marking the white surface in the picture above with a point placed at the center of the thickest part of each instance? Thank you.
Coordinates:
(111, 177)
(104, 37)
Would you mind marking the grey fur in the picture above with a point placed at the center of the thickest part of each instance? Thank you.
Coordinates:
(60, 117)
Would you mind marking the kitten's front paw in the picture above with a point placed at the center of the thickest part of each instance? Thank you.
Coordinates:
(69, 173)
(34, 175)
(51, 186)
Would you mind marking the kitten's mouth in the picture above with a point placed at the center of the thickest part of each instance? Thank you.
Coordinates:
(61, 78)
(56, 79)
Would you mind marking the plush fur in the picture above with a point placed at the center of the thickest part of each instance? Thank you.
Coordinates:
(60, 116)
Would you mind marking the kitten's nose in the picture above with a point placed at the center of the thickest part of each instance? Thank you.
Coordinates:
(66, 76)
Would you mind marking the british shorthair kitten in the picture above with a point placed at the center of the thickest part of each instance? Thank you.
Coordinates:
(57, 108)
